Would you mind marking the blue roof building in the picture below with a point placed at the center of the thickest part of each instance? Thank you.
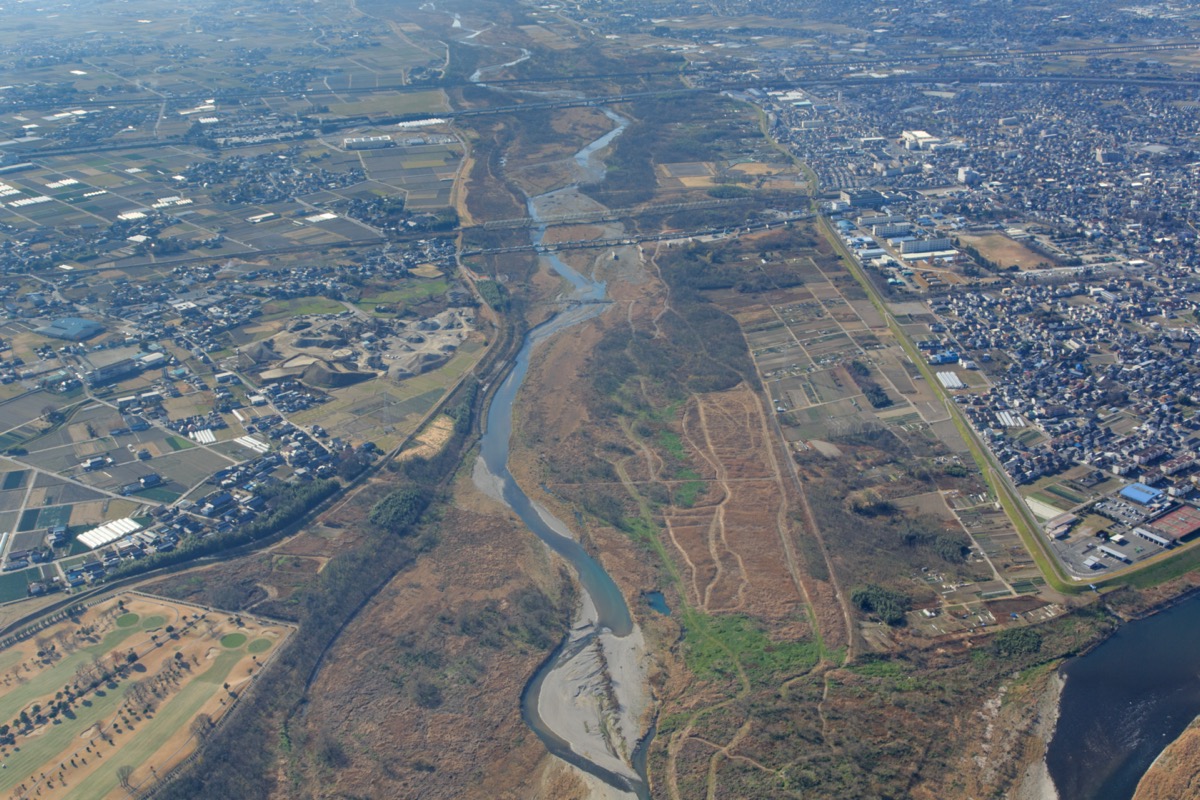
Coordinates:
(1141, 494)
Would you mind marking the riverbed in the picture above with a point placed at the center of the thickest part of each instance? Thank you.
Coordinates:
(586, 702)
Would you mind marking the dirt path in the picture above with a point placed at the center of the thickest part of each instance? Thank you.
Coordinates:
(775, 435)
(716, 529)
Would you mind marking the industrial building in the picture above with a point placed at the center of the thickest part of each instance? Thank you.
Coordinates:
(862, 198)
(73, 329)
(892, 229)
(367, 142)
(1060, 526)
(115, 371)
(1114, 552)
(1141, 494)
(939, 245)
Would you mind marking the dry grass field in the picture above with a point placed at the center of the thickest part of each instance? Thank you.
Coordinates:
(1004, 251)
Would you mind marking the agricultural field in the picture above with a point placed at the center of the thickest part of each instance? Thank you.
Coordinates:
(188, 203)
(235, 42)
(129, 158)
(860, 420)
(49, 485)
(105, 701)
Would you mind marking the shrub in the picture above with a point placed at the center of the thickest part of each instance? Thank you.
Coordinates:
(398, 511)
(1017, 642)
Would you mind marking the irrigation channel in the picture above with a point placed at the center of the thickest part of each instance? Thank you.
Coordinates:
(598, 658)
(1124, 702)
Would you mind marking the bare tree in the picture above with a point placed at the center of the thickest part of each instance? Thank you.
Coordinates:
(137, 693)
(83, 675)
(124, 773)
(202, 726)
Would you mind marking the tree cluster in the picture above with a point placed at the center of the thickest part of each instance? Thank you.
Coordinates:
(888, 605)
(874, 393)
(399, 509)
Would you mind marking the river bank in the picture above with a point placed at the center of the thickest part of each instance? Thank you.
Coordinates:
(1176, 771)
(1035, 782)
(594, 695)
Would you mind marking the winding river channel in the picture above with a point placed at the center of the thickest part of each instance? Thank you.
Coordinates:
(588, 663)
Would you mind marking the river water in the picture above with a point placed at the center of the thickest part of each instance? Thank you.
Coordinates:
(1124, 702)
(606, 612)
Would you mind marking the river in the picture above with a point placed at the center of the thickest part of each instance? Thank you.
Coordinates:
(1124, 702)
(598, 658)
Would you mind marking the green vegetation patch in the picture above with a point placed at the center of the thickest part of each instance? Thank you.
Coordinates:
(150, 623)
(886, 604)
(1066, 494)
(1166, 570)
(714, 646)
(179, 443)
(686, 493)
(298, 306)
(260, 646)
(28, 519)
(413, 292)
(15, 586)
(14, 479)
(672, 444)
(1051, 500)
(159, 494)
(1017, 642)
(10, 439)
(880, 669)
(400, 509)
(232, 640)
(54, 515)
(127, 620)
(493, 293)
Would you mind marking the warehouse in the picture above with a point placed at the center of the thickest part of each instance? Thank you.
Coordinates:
(1114, 552)
(1151, 536)
(73, 329)
(1141, 494)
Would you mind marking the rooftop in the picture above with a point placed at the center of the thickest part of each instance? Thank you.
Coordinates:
(1141, 493)
(72, 328)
